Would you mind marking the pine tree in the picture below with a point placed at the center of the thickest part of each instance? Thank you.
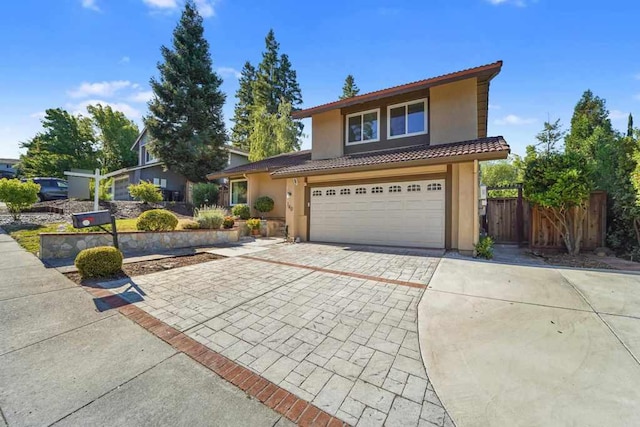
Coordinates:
(185, 120)
(550, 136)
(242, 111)
(589, 113)
(349, 89)
(266, 88)
(630, 126)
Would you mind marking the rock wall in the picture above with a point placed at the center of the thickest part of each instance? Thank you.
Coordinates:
(68, 245)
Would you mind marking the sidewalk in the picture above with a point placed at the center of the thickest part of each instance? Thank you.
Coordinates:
(62, 362)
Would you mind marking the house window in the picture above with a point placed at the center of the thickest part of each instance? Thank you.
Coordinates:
(363, 127)
(345, 192)
(148, 157)
(376, 190)
(434, 187)
(317, 193)
(162, 183)
(238, 192)
(409, 118)
(331, 192)
(395, 189)
(413, 188)
(361, 190)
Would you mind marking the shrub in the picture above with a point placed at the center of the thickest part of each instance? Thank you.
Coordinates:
(210, 217)
(146, 192)
(104, 190)
(157, 220)
(190, 225)
(228, 222)
(484, 248)
(241, 211)
(18, 195)
(254, 223)
(204, 193)
(263, 204)
(102, 261)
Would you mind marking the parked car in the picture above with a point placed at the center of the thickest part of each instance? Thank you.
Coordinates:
(51, 188)
(7, 174)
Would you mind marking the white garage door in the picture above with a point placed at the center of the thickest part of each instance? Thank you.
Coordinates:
(395, 213)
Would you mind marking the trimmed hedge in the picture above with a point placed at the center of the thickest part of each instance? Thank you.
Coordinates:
(241, 211)
(157, 220)
(101, 261)
(264, 204)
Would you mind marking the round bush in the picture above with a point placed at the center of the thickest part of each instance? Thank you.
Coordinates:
(210, 220)
(264, 204)
(228, 222)
(157, 220)
(190, 225)
(241, 211)
(101, 261)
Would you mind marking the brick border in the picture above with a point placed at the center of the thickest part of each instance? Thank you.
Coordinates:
(338, 272)
(280, 400)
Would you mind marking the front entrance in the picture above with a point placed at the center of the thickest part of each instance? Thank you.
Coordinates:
(410, 213)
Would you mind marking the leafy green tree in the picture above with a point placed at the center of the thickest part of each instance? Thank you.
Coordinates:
(349, 89)
(550, 136)
(18, 195)
(66, 142)
(499, 173)
(145, 192)
(205, 194)
(589, 114)
(185, 120)
(561, 184)
(272, 134)
(242, 111)
(116, 134)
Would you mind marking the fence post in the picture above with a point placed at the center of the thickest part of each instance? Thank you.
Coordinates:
(520, 217)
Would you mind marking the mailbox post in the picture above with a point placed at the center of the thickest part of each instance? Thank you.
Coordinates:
(97, 219)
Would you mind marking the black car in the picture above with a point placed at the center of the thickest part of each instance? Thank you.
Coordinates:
(7, 174)
(51, 188)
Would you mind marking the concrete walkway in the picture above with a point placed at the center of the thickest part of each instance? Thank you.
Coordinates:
(63, 362)
(510, 345)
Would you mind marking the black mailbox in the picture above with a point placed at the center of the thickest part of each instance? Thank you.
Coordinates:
(90, 219)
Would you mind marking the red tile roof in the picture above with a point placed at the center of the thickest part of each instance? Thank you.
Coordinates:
(493, 145)
(269, 164)
(490, 70)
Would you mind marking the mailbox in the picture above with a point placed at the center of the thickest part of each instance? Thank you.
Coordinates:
(91, 219)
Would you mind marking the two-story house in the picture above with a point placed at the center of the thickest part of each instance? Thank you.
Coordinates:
(174, 186)
(398, 166)
(8, 168)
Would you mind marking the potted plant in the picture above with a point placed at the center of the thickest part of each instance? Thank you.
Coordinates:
(263, 205)
(254, 226)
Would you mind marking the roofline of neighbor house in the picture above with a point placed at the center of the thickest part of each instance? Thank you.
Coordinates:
(490, 70)
(229, 148)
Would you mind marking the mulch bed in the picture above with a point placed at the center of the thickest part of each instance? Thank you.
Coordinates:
(147, 267)
(579, 261)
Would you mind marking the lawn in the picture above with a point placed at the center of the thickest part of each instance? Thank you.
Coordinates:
(27, 235)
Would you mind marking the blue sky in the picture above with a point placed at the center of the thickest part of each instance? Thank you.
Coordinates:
(67, 53)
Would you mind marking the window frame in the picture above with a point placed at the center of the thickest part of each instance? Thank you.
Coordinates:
(233, 181)
(361, 114)
(425, 102)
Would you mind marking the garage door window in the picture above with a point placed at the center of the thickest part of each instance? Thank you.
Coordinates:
(361, 190)
(434, 187)
(317, 193)
(395, 189)
(377, 190)
(345, 192)
(413, 188)
(331, 192)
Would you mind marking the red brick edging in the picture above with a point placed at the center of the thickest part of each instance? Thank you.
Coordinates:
(341, 273)
(287, 404)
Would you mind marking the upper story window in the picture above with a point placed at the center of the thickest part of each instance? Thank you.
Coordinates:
(148, 156)
(363, 127)
(408, 118)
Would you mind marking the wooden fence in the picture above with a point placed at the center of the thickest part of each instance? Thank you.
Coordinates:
(502, 220)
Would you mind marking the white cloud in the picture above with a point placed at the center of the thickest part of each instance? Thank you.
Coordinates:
(519, 3)
(90, 4)
(99, 88)
(124, 60)
(618, 115)
(513, 120)
(161, 4)
(128, 110)
(141, 97)
(228, 72)
(38, 115)
(205, 7)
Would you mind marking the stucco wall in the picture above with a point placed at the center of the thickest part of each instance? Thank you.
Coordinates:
(465, 219)
(261, 184)
(454, 112)
(326, 135)
(68, 245)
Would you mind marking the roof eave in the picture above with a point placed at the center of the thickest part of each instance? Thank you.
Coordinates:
(491, 155)
(230, 174)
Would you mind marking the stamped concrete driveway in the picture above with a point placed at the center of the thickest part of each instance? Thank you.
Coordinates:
(509, 345)
(334, 325)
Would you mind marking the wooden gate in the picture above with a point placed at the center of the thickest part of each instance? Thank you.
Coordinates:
(503, 224)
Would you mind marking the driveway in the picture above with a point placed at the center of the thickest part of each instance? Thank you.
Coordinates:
(514, 345)
(333, 325)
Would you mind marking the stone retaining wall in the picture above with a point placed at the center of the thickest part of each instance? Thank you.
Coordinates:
(269, 228)
(67, 245)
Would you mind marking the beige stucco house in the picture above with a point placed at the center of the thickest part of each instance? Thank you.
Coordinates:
(395, 167)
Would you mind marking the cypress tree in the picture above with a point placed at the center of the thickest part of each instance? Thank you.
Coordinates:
(630, 126)
(242, 111)
(349, 89)
(185, 120)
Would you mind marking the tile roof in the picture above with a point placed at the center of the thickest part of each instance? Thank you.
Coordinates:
(490, 70)
(495, 144)
(269, 164)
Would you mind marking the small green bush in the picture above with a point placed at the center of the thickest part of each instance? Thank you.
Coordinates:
(190, 225)
(104, 191)
(241, 211)
(146, 192)
(263, 204)
(204, 193)
(210, 217)
(18, 195)
(484, 248)
(157, 220)
(228, 222)
(102, 261)
(254, 223)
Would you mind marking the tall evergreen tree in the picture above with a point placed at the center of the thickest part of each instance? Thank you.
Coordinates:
(349, 89)
(185, 120)
(550, 136)
(590, 113)
(630, 126)
(272, 134)
(242, 111)
(266, 87)
(116, 133)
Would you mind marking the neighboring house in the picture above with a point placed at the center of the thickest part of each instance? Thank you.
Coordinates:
(173, 185)
(8, 167)
(397, 166)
